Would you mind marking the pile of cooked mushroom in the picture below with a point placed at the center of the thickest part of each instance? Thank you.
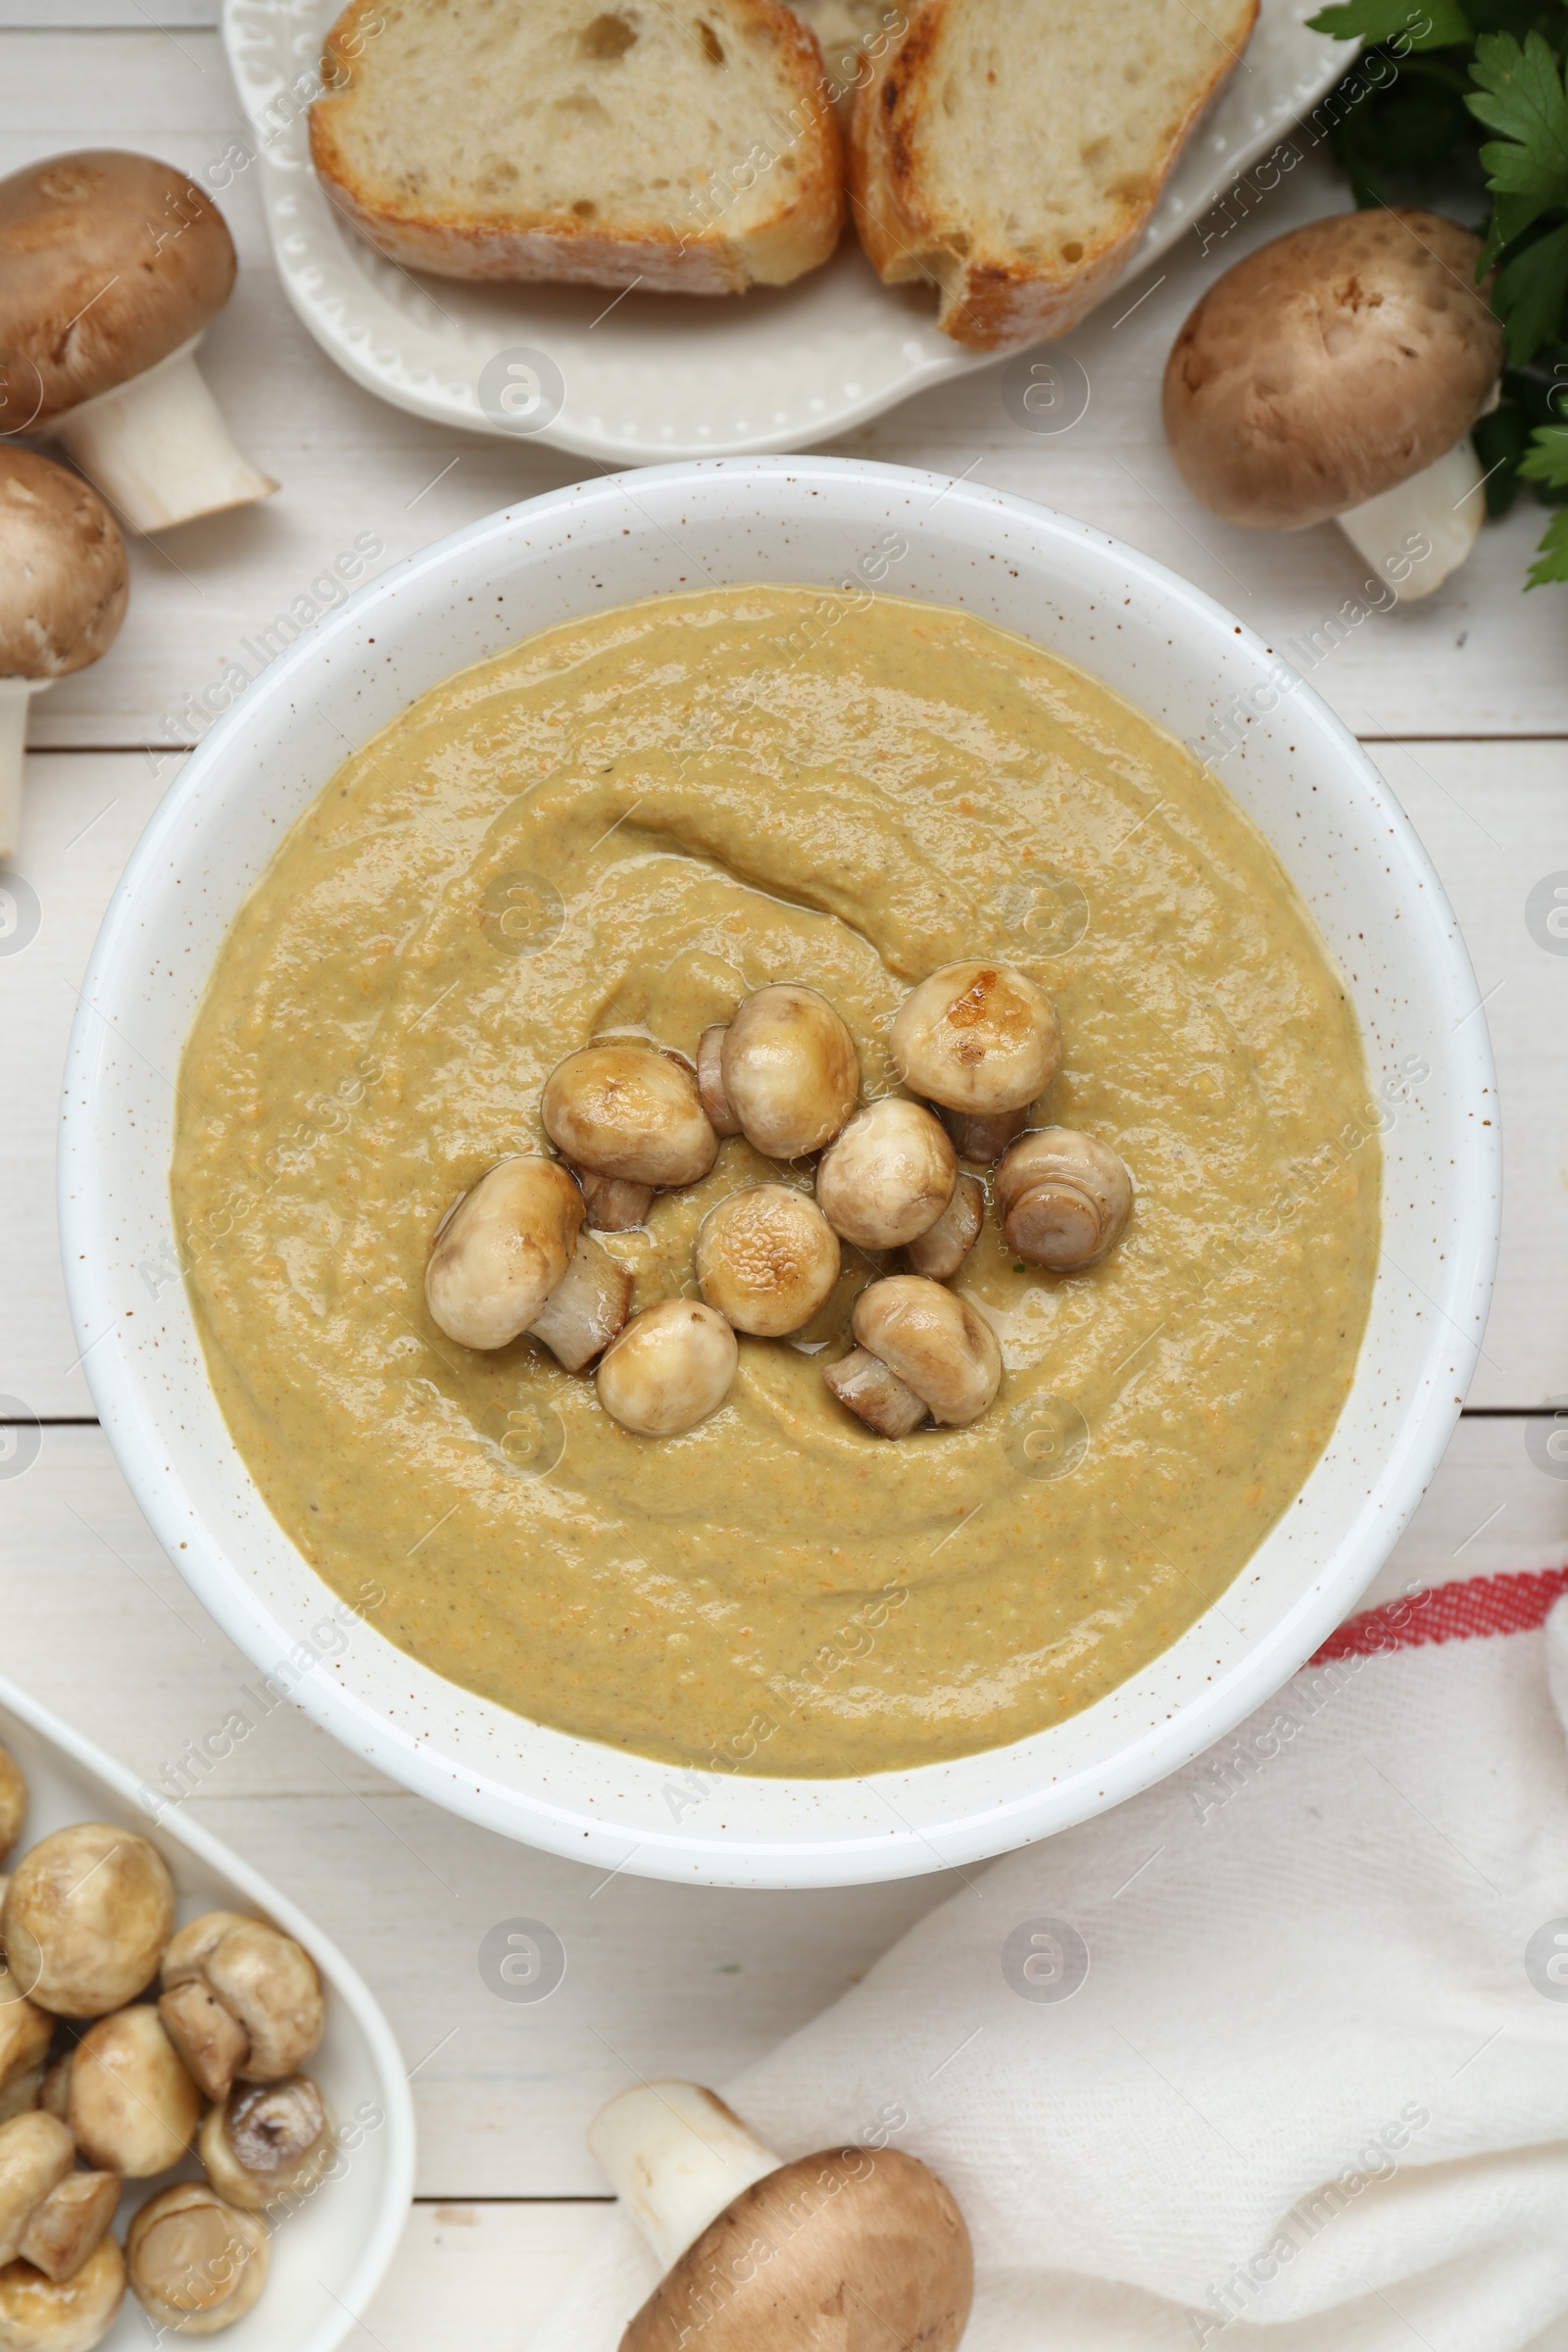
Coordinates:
(976, 1045)
(125, 2044)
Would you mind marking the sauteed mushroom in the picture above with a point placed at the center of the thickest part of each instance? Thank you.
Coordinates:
(670, 1369)
(268, 2140)
(196, 2264)
(502, 1251)
(885, 2260)
(942, 1248)
(70, 2223)
(711, 1080)
(628, 1111)
(931, 1341)
(889, 1176)
(240, 1998)
(982, 1137)
(38, 2314)
(1063, 1198)
(613, 1203)
(788, 1070)
(981, 1038)
(87, 1914)
(130, 2104)
(37, 2152)
(24, 2038)
(766, 1259)
(587, 1309)
(12, 1801)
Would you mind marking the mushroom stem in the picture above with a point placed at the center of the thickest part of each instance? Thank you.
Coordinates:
(1441, 505)
(157, 448)
(676, 2156)
(15, 696)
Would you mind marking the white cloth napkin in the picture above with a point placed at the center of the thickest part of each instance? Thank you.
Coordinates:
(1313, 2090)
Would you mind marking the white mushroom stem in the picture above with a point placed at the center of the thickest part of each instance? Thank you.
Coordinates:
(15, 696)
(1441, 508)
(157, 448)
(676, 2157)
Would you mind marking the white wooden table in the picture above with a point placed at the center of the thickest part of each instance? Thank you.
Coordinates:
(1466, 703)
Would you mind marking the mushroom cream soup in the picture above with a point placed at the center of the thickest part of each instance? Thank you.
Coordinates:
(627, 824)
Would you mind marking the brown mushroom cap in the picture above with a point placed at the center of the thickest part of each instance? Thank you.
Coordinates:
(62, 2315)
(12, 1801)
(268, 2140)
(132, 2107)
(35, 2153)
(626, 1109)
(670, 1368)
(977, 1037)
(870, 2236)
(789, 1069)
(263, 1980)
(196, 2262)
(935, 1343)
(63, 578)
(502, 1251)
(766, 1259)
(108, 262)
(1331, 365)
(889, 1176)
(87, 1914)
(1063, 1198)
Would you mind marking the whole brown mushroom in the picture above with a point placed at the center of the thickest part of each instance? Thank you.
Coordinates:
(670, 1369)
(1336, 373)
(111, 266)
(502, 1250)
(239, 2000)
(39, 2314)
(63, 581)
(624, 1109)
(131, 2103)
(1063, 1198)
(921, 1350)
(87, 1914)
(889, 1176)
(197, 2264)
(268, 2142)
(767, 1259)
(979, 1038)
(788, 1072)
(885, 2261)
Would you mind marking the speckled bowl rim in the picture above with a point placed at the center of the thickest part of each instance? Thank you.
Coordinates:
(1181, 656)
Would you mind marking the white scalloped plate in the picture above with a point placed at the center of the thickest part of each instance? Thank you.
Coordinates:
(666, 377)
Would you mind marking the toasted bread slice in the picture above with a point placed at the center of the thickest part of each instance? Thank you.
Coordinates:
(851, 35)
(1012, 150)
(688, 146)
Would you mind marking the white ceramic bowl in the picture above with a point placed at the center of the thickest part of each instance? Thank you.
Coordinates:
(1302, 777)
(328, 2258)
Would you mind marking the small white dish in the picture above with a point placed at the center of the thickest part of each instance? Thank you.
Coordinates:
(328, 2258)
(1156, 640)
(640, 378)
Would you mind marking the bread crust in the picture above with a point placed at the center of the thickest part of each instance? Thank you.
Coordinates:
(988, 301)
(799, 236)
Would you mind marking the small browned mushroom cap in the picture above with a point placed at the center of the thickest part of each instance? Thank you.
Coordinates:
(977, 1037)
(131, 2106)
(111, 265)
(197, 2264)
(790, 1070)
(889, 1176)
(64, 576)
(38, 2314)
(766, 1259)
(670, 1368)
(1063, 1198)
(35, 2152)
(501, 1251)
(626, 1109)
(934, 1342)
(13, 1803)
(269, 2140)
(1329, 365)
(87, 1914)
(263, 1980)
(70, 2223)
(942, 1248)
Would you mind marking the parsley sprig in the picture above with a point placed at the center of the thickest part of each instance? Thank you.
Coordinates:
(1463, 68)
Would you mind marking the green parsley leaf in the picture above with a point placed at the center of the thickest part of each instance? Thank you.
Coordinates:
(1530, 291)
(1546, 460)
(1521, 94)
(1413, 24)
(1552, 561)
